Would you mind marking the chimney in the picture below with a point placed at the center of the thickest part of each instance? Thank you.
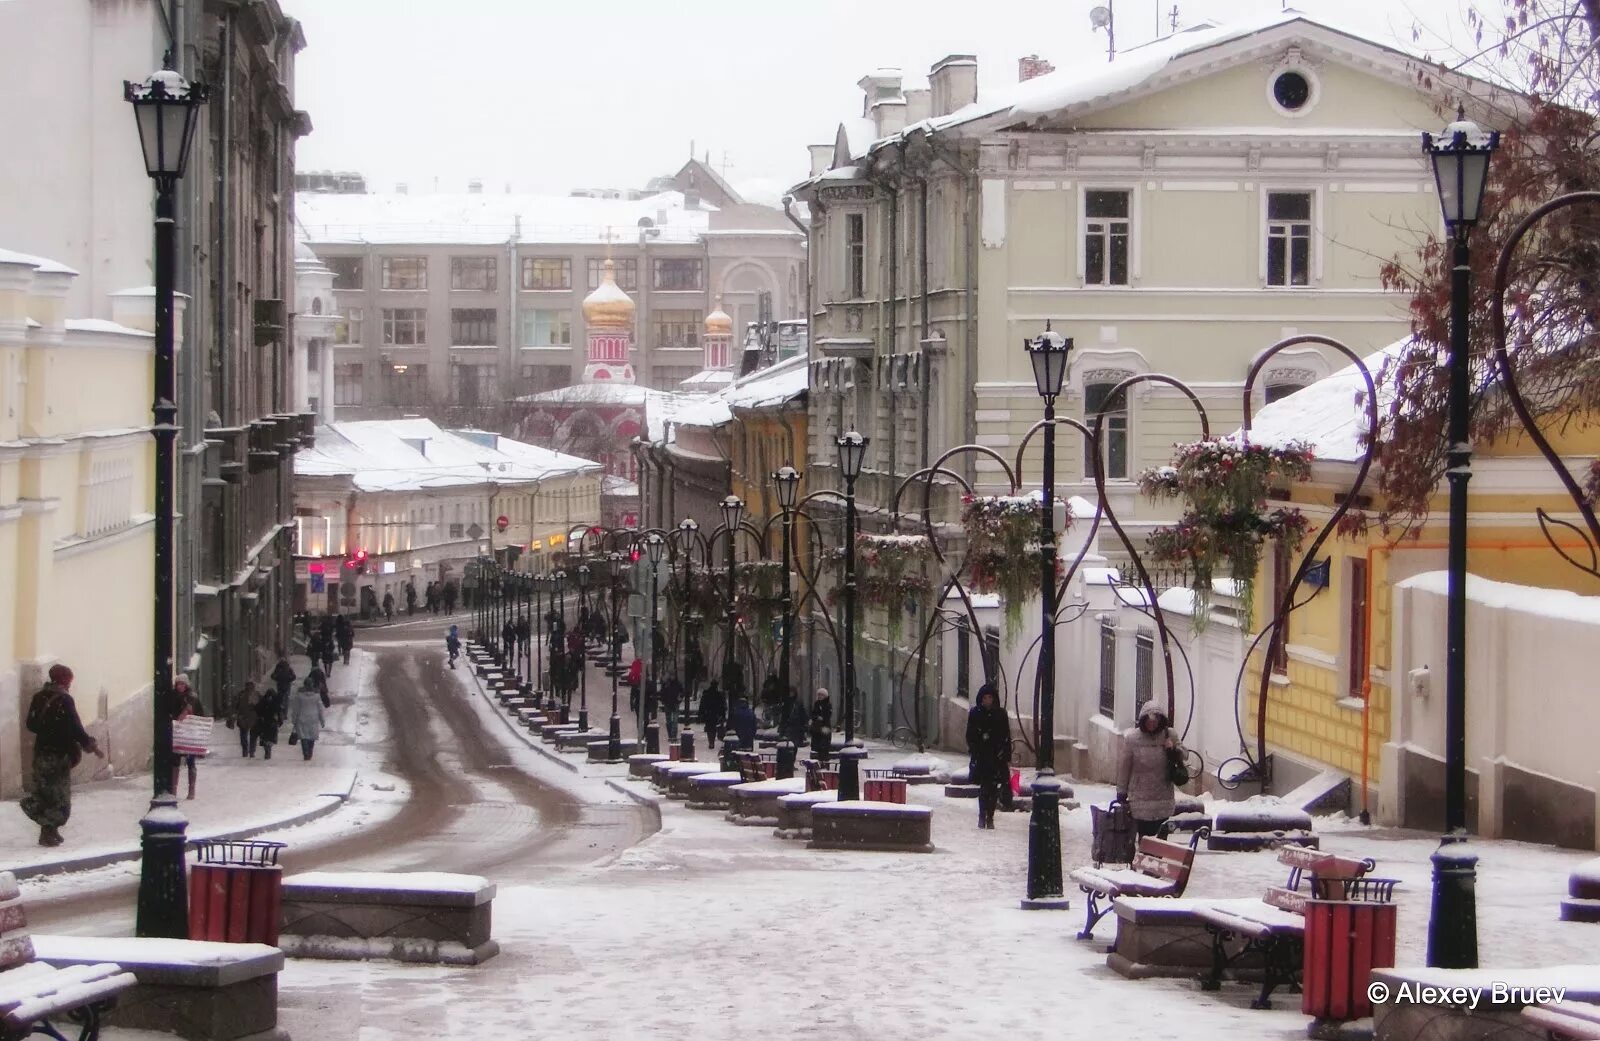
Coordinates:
(919, 105)
(883, 102)
(953, 82)
(821, 158)
(474, 187)
(1031, 66)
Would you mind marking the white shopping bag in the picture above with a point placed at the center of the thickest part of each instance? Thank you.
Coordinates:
(191, 735)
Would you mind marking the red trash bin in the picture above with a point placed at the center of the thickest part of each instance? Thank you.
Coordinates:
(236, 892)
(1350, 930)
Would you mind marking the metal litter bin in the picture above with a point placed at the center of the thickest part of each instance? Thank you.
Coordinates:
(236, 892)
(1350, 930)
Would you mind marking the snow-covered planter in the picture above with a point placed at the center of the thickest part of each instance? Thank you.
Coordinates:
(1224, 483)
(1583, 893)
(1260, 822)
(1003, 548)
(890, 571)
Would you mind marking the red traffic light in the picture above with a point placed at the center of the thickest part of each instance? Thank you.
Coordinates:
(634, 556)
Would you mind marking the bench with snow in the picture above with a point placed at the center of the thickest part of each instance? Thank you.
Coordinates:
(1565, 1020)
(755, 803)
(600, 751)
(404, 916)
(820, 778)
(673, 778)
(550, 731)
(489, 671)
(960, 785)
(1583, 893)
(532, 718)
(709, 791)
(576, 740)
(642, 764)
(1424, 1004)
(1188, 814)
(919, 769)
(1160, 869)
(794, 813)
(34, 995)
(1275, 926)
(863, 825)
(1259, 823)
(197, 989)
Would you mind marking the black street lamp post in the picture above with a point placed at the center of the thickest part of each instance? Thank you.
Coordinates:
(787, 478)
(167, 109)
(558, 585)
(584, 575)
(540, 634)
(852, 454)
(1460, 158)
(732, 508)
(688, 534)
(614, 735)
(655, 547)
(1049, 354)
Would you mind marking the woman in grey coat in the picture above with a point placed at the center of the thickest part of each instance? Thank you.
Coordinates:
(1142, 780)
(306, 718)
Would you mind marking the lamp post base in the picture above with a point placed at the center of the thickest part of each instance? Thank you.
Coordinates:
(850, 757)
(1045, 891)
(652, 738)
(163, 907)
(583, 719)
(613, 738)
(1453, 925)
(786, 757)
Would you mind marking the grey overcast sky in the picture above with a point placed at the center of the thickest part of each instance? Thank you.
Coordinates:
(546, 96)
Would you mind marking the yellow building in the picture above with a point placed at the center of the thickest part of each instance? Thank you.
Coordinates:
(1357, 685)
(76, 511)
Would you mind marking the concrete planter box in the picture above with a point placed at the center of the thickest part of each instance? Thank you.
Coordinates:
(412, 917)
(1405, 1019)
(887, 826)
(532, 718)
(548, 732)
(794, 813)
(600, 751)
(642, 764)
(710, 791)
(1160, 936)
(675, 778)
(755, 803)
(1247, 827)
(576, 740)
(198, 990)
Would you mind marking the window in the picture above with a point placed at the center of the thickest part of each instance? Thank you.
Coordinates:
(1278, 649)
(546, 273)
(1144, 666)
(545, 328)
(1097, 398)
(626, 272)
(348, 272)
(1291, 91)
(473, 326)
(406, 385)
(405, 273)
(349, 328)
(405, 326)
(991, 652)
(1288, 238)
(474, 273)
(963, 658)
(675, 330)
(1358, 627)
(669, 377)
(1281, 390)
(1106, 228)
(458, 531)
(1108, 668)
(536, 378)
(475, 384)
(676, 273)
(855, 255)
(347, 384)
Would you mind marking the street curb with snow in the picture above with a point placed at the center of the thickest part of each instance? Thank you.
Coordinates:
(327, 802)
(522, 735)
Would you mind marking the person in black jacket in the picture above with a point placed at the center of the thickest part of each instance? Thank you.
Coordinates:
(59, 744)
(345, 634)
(283, 677)
(713, 708)
(988, 751)
(821, 726)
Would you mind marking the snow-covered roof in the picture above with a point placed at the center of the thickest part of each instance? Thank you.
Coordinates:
(44, 265)
(615, 393)
(774, 385)
(101, 325)
(1544, 603)
(388, 218)
(1331, 414)
(416, 454)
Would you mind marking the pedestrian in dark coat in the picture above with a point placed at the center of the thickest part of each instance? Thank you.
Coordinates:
(330, 654)
(452, 644)
(745, 724)
(988, 751)
(450, 597)
(388, 607)
(242, 715)
(269, 717)
(59, 744)
(508, 639)
(325, 627)
(345, 634)
(671, 701)
(317, 680)
(795, 721)
(713, 708)
(1142, 777)
(282, 677)
(305, 625)
(821, 725)
(411, 599)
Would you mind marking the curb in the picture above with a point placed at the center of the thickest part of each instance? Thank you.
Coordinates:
(330, 801)
(521, 734)
(648, 802)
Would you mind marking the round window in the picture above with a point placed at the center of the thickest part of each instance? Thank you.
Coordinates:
(1291, 90)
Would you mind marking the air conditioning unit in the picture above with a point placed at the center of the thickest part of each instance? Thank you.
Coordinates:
(271, 319)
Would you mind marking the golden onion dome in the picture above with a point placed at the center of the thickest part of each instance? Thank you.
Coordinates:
(608, 307)
(718, 322)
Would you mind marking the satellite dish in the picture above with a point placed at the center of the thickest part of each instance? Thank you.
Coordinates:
(1100, 17)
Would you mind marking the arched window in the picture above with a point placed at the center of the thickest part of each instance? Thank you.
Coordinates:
(1097, 399)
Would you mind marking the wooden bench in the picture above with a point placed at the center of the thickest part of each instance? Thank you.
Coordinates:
(1566, 1020)
(750, 768)
(1160, 868)
(819, 779)
(1274, 928)
(33, 995)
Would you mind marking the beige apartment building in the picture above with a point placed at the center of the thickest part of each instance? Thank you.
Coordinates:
(453, 305)
(1178, 211)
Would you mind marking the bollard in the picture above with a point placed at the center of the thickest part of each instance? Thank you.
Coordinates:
(1453, 931)
(686, 746)
(850, 758)
(786, 752)
(730, 745)
(566, 714)
(652, 738)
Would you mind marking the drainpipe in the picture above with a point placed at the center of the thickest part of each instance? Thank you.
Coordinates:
(922, 267)
(805, 235)
(224, 314)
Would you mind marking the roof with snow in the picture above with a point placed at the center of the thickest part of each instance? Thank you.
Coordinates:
(44, 265)
(1331, 414)
(416, 454)
(774, 385)
(389, 218)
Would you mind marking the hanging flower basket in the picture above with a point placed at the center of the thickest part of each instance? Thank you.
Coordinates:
(1225, 483)
(890, 570)
(1003, 549)
(1592, 487)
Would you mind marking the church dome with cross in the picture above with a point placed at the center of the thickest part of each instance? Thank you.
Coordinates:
(608, 307)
